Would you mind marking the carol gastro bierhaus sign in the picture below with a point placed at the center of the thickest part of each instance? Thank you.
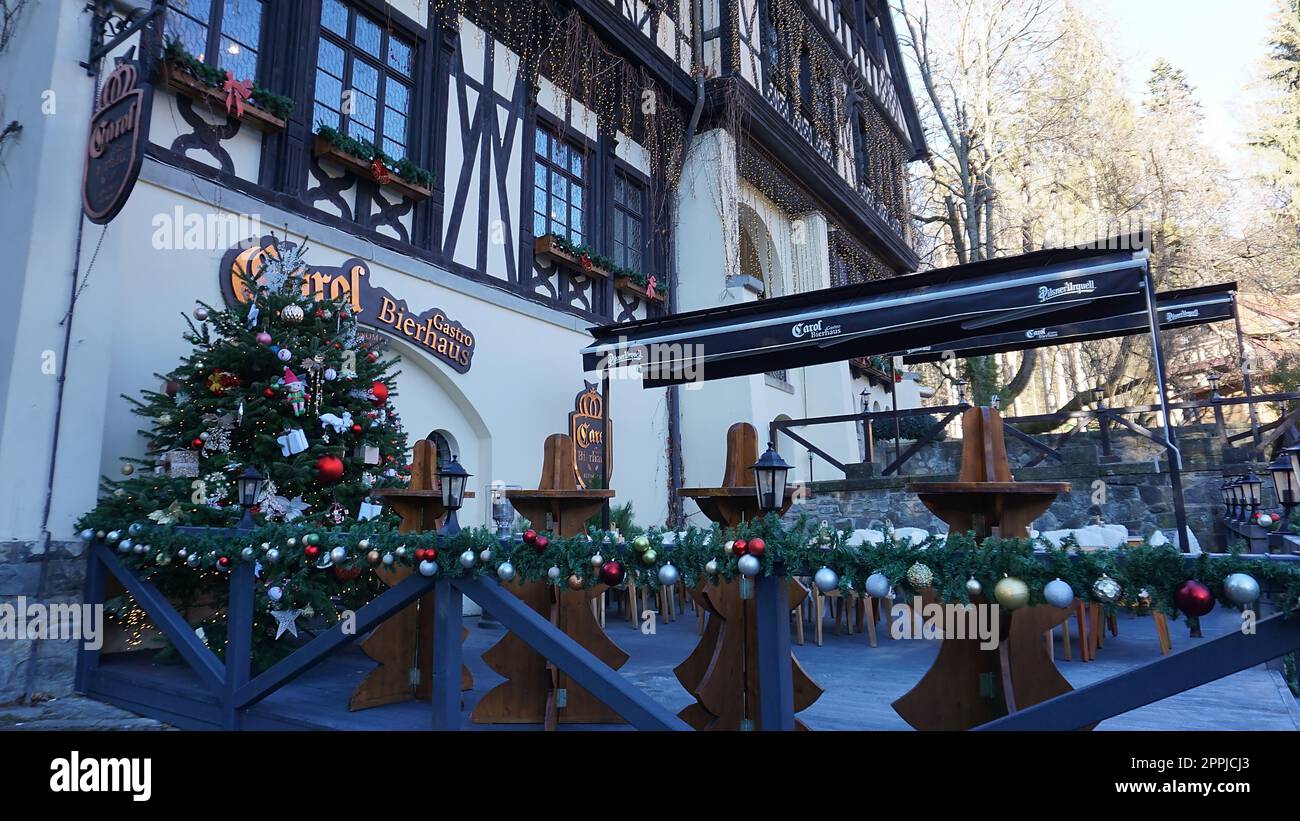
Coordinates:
(119, 131)
(592, 436)
(431, 331)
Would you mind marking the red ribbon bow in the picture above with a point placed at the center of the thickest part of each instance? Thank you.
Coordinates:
(379, 172)
(237, 91)
(650, 287)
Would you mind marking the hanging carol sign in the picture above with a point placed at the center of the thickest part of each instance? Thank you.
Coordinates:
(592, 436)
(431, 332)
(119, 132)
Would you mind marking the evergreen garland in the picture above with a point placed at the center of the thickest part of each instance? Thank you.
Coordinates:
(274, 104)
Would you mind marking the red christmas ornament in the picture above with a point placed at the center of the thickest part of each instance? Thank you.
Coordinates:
(530, 536)
(223, 561)
(1194, 599)
(268, 393)
(346, 574)
(311, 551)
(756, 547)
(356, 428)
(611, 573)
(329, 469)
(197, 443)
(541, 544)
(739, 547)
(431, 553)
(380, 391)
(171, 387)
(372, 356)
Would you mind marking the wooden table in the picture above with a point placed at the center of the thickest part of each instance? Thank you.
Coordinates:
(729, 506)
(1010, 507)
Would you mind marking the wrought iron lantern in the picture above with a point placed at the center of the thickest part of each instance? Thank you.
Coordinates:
(452, 477)
(250, 484)
(769, 479)
(1284, 483)
(1098, 395)
(961, 391)
(1253, 486)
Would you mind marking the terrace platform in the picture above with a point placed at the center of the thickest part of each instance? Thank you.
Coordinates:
(860, 683)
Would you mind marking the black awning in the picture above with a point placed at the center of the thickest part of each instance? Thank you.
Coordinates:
(1177, 309)
(939, 307)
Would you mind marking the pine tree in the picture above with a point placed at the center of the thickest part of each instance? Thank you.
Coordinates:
(286, 385)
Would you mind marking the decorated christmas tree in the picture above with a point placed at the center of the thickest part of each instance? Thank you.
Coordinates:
(288, 386)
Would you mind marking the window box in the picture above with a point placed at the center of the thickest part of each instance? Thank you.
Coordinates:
(362, 168)
(549, 248)
(175, 77)
(630, 286)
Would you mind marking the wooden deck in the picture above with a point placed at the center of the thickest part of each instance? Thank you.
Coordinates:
(860, 683)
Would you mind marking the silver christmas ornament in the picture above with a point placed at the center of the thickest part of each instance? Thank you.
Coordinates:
(401, 551)
(330, 374)
(428, 568)
(506, 571)
(749, 565)
(467, 559)
(338, 555)
(284, 354)
(669, 575)
(162, 559)
(711, 567)
(973, 587)
(182, 553)
(485, 555)
(141, 549)
(201, 313)
(135, 528)
(364, 544)
(192, 560)
(1241, 588)
(273, 555)
(112, 536)
(1106, 589)
(388, 559)
(247, 553)
(826, 580)
(553, 573)
(1058, 593)
(87, 535)
(125, 546)
(878, 585)
(597, 560)
(275, 594)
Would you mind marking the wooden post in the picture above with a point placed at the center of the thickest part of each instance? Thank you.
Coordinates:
(96, 584)
(239, 643)
(775, 675)
(446, 656)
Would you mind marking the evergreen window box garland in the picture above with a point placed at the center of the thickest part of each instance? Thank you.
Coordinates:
(565, 254)
(358, 156)
(630, 284)
(586, 261)
(184, 74)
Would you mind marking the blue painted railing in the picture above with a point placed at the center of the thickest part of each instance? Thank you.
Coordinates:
(235, 693)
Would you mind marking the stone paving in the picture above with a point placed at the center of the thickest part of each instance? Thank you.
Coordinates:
(73, 713)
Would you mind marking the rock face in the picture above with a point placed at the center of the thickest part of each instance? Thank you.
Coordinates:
(28, 576)
(1128, 487)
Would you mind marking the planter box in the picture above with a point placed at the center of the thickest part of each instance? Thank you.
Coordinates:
(626, 285)
(547, 247)
(324, 148)
(182, 82)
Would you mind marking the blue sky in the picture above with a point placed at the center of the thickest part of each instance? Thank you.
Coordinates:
(1219, 44)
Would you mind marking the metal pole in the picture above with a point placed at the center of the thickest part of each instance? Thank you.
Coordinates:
(1245, 375)
(1171, 444)
(893, 391)
(604, 444)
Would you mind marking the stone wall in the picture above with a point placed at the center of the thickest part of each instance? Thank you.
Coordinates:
(1130, 487)
(21, 583)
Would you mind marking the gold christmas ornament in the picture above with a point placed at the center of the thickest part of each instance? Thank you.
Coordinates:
(1011, 592)
(128, 469)
(575, 583)
(919, 576)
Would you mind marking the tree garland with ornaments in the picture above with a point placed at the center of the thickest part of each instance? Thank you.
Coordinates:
(286, 385)
(291, 558)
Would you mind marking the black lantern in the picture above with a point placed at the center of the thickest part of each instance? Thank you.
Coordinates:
(1098, 395)
(1284, 483)
(1253, 486)
(866, 399)
(250, 484)
(452, 477)
(1293, 456)
(1238, 499)
(1214, 385)
(769, 479)
(961, 391)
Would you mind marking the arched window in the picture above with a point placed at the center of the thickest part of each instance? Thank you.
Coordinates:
(441, 446)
